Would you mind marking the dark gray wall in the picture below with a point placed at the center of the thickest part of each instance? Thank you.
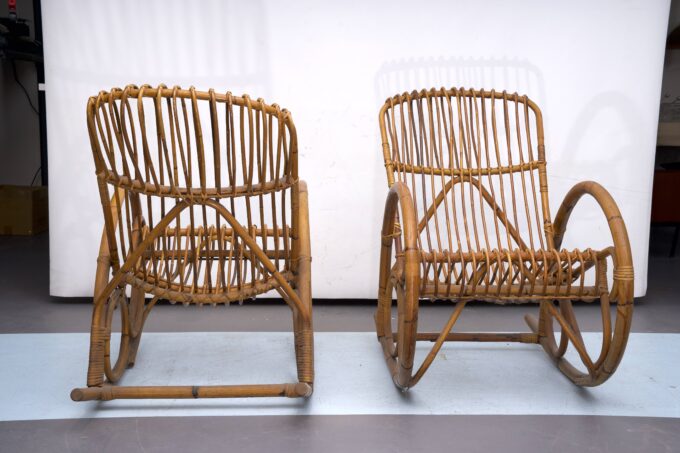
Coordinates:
(19, 130)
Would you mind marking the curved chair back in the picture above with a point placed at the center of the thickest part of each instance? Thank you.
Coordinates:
(474, 162)
(202, 182)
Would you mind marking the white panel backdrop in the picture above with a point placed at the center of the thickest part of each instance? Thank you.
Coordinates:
(594, 67)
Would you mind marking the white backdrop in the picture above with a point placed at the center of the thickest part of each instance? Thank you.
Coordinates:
(594, 67)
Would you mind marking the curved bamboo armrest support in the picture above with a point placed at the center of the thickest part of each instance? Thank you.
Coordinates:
(622, 288)
(399, 196)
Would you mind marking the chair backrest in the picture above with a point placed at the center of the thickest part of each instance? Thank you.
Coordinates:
(151, 141)
(170, 157)
(474, 162)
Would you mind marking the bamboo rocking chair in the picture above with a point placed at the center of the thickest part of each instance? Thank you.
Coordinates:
(467, 218)
(194, 218)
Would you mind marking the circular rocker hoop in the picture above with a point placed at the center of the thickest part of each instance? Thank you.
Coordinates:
(613, 340)
(398, 274)
(399, 352)
(599, 369)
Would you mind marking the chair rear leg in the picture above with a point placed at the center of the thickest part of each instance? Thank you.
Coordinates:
(304, 349)
(302, 316)
(100, 365)
(95, 368)
(302, 328)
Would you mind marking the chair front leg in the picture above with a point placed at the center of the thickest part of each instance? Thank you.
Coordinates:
(302, 267)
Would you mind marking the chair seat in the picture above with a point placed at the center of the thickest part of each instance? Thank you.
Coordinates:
(512, 276)
(211, 265)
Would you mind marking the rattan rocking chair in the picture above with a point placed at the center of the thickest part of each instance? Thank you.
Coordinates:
(194, 218)
(467, 218)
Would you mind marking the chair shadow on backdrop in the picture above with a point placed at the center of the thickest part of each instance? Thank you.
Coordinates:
(153, 45)
(510, 74)
(162, 47)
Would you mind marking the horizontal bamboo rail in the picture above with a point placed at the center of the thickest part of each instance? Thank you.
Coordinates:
(509, 292)
(111, 392)
(483, 337)
(467, 173)
(136, 186)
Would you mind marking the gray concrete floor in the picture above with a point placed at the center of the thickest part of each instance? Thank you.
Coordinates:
(341, 434)
(26, 307)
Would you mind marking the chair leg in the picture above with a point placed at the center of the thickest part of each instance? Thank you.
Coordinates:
(302, 317)
(304, 349)
(302, 326)
(95, 368)
(101, 364)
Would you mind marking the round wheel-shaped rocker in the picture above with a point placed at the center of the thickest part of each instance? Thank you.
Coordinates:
(597, 366)
(399, 277)
(592, 362)
(399, 350)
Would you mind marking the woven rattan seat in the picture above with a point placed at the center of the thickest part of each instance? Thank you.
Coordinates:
(516, 276)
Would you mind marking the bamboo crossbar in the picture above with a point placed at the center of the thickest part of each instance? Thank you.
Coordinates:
(509, 293)
(180, 254)
(466, 173)
(526, 256)
(482, 337)
(224, 232)
(175, 292)
(141, 187)
(109, 392)
(463, 92)
(165, 92)
(467, 218)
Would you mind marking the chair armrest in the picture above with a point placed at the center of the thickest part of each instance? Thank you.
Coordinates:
(622, 289)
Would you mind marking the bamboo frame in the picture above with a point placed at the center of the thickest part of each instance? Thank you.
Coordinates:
(467, 218)
(186, 216)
